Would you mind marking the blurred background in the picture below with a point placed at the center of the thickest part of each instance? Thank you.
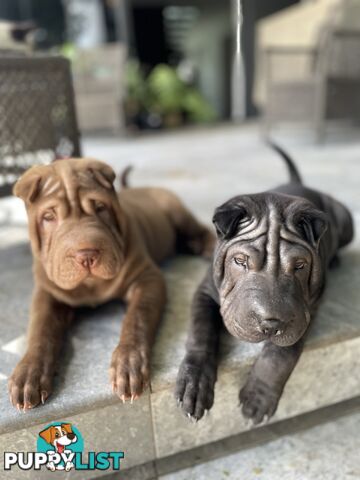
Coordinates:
(158, 64)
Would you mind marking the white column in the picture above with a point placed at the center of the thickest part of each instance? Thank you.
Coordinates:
(238, 90)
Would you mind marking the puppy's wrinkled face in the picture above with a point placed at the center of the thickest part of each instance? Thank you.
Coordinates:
(74, 220)
(267, 266)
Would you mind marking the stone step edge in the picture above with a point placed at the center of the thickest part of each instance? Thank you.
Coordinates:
(242, 441)
(112, 400)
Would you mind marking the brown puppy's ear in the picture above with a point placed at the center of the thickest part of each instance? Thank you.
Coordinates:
(103, 174)
(28, 186)
(311, 224)
(48, 435)
(228, 217)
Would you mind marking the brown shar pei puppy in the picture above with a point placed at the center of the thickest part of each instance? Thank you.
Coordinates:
(91, 245)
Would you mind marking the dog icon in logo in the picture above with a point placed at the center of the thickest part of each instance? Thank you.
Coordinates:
(59, 436)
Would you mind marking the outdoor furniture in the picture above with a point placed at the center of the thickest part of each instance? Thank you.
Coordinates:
(37, 114)
(98, 74)
(314, 84)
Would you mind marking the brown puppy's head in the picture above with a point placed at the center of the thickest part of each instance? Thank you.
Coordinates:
(75, 221)
(267, 266)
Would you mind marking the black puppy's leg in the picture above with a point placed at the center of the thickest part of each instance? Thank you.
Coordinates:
(197, 374)
(335, 262)
(262, 391)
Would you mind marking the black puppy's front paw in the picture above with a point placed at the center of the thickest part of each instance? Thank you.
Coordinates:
(195, 384)
(259, 401)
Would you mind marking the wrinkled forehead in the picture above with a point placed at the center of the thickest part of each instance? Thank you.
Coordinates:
(268, 230)
(257, 248)
(66, 181)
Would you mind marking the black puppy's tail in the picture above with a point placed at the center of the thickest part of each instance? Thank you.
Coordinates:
(294, 172)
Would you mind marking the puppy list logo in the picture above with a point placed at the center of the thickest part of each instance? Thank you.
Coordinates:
(60, 447)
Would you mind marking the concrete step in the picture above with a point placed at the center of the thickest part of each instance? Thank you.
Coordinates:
(153, 428)
(320, 453)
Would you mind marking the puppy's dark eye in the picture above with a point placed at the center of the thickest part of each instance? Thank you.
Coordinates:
(100, 207)
(57, 434)
(241, 262)
(49, 216)
(299, 265)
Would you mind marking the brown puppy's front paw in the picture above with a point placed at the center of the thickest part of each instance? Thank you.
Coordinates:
(259, 401)
(129, 372)
(195, 385)
(30, 384)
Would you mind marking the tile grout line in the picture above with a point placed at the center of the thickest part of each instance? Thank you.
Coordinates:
(153, 429)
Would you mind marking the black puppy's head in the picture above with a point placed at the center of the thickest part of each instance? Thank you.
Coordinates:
(267, 266)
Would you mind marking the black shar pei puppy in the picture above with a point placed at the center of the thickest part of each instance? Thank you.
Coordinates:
(265, 282)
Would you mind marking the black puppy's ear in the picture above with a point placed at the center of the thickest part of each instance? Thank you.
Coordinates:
(227, 218)
(311, 224)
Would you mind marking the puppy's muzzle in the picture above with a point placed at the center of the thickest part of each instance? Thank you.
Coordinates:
(87, 257)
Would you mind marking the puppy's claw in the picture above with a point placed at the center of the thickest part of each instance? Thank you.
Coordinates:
(266, 418)
(133, 397)
(44, 396)
(248, 423)
(18, 407)
(27, 406)
(179, 403)
(123, 399)
(191, 418)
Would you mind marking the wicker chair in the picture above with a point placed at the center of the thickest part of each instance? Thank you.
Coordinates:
(316, 85)
(37, 114)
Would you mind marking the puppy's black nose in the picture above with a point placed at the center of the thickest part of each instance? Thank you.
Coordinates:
(87, 257)
(271, 326)
(71, 436)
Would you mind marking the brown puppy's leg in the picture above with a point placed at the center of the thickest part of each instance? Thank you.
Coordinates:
(198, 371)
(192, 234)
(267, 378)
(130, 364)
(31, 381)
